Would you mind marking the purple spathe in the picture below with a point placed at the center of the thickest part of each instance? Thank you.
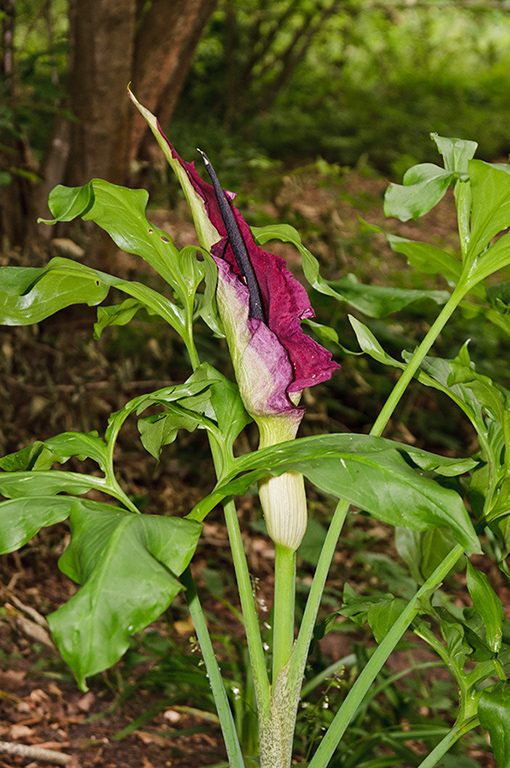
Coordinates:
(280, 359)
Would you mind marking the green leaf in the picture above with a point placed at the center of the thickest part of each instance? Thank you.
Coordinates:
(491, 205)
(494, 716)
(493, 259)
(423, 551)
(456, 152)
(58, 449)
(120, 212)
(207, 307)
(454, 634)
(226, 403)
(464, 636)
(381, 616)
(29, 295)
(377, 301)
(499, 296)
(16, 485)
(127, 565)
(488, 605)
(370, 345)
(66, 203)
(424, 186)
(35, 456)
(367, 471)
(22, 518)
(117, 314)
(161, 429)
(192, 270)
(84, 446)
(356, 607)
(372, 300)
(490, 396)
(427, 258)
(288, 234)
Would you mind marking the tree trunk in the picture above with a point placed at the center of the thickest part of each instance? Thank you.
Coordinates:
(164, 49)
(102, 36)
(17, 216)
(112, 42)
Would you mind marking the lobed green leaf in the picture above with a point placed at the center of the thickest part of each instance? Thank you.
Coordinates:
(494, 716)
(424, 186)
(128, 566)
(488, 605)
(367, 471)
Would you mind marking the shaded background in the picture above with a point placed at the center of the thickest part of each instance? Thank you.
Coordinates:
(290, 79)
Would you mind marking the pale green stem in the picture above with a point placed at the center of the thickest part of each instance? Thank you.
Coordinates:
(188, 338)
(445, 744)
(463, 199)
(358, 691)
(283, 607)
(300, 654)
(298, 660)
(417, 358)
(235, 755)
(250, 615)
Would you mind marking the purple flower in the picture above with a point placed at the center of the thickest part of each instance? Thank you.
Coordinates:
(261, 305)
(273, 359)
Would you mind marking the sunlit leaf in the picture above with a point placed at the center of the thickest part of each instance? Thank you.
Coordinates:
(427, 258)
(488, 605)
(15, 485)
(367, 471)
(372, 300)
(491, 205)
(456, 152)
(128, 566)
(22, 518)
(29, 295)
(117, 314)
(494, 716)
(370, 345)
(120, 212)
(424, 186)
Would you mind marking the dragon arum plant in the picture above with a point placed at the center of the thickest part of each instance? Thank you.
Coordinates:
(249, 297)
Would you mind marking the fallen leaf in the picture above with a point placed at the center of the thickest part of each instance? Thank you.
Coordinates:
(86, 701)
(20, 732)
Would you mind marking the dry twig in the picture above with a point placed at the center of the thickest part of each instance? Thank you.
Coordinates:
(35, 753)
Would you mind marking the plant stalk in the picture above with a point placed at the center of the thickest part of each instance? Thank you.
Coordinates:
(250, 615)
(234, 753)
(458, 730)
(417, 358)
(366, 678)
(283, 607)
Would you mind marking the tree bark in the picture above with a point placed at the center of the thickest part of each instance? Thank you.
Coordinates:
(102, 36)
(112, 42)
(164, 49)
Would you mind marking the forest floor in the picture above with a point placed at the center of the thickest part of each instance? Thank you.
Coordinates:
(57, 378)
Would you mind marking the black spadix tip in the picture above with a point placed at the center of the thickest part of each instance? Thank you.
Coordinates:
(204, 157)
